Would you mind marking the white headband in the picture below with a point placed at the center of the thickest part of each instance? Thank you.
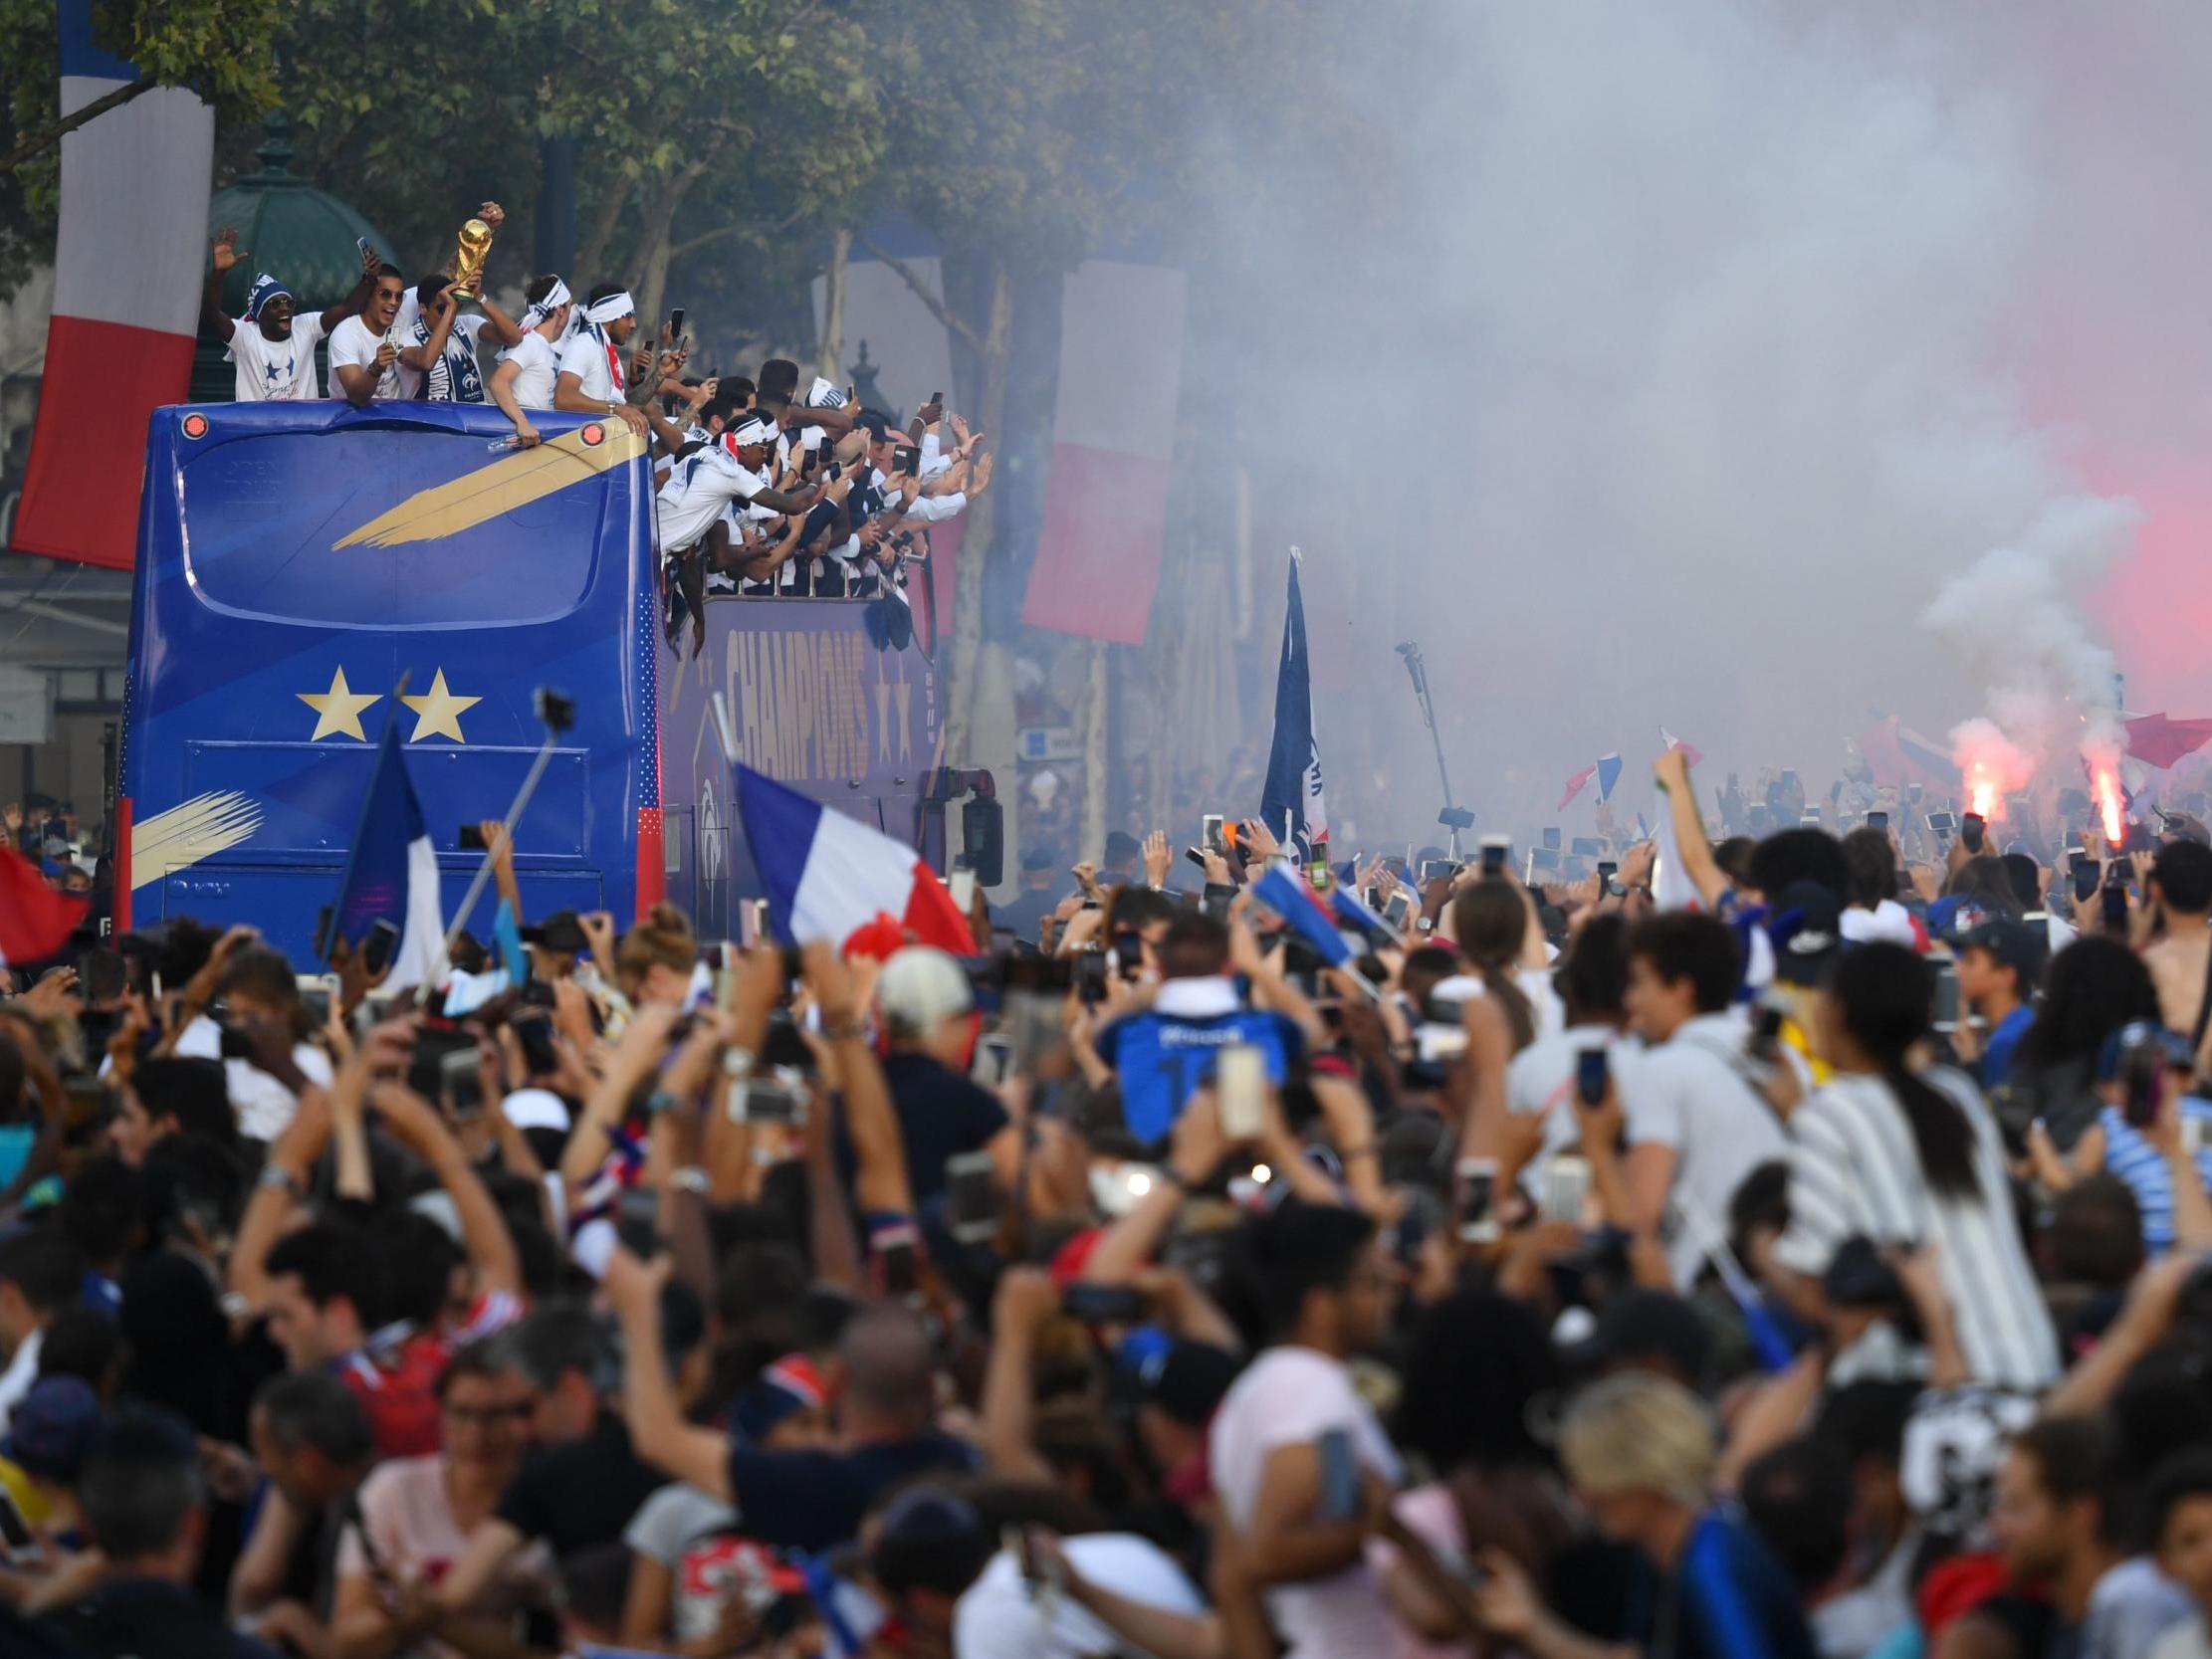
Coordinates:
(754, 429)
(539, 309)
(612, 308)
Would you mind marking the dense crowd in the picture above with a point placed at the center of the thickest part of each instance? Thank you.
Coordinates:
(1778, 1247)
(759, 489)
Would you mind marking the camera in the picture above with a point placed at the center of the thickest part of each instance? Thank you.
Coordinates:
(555, 711)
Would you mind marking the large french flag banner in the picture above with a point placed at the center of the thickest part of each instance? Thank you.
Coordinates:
(128, 267)
(1104, 534)
(830, 877)
(391, 875)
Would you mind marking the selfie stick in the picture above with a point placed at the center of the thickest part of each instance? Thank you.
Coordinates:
(543, 758)
(1410, 651)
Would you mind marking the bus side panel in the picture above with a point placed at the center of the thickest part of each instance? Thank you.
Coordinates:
(811, 700)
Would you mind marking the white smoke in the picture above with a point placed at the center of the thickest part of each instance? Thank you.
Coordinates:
(1694, 334)
(2016, 617)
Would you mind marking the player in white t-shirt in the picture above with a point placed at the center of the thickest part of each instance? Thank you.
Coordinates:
(364, 350)
(444, 340)
(273, 349)
(527, 371)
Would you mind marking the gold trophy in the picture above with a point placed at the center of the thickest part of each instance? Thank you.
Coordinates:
(467, 259)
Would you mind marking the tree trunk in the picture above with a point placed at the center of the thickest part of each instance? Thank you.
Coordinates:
(832, 354)
(976, 540)
(650, 284)
(594, 257)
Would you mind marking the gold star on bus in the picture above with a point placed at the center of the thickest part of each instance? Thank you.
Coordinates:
(338, 709)
(438, 711)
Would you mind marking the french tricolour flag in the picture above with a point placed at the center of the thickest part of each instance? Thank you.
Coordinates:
(1606, 772)
(830, 877)
(128, 262)
(391, 875)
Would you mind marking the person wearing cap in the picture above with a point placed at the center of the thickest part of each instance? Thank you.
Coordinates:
(49, 1437)
(1997, 970)
(1024, 915)
(273, 349)
(927, 1004)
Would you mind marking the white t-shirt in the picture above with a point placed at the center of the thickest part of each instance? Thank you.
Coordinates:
(700, 486)
(996, 1619)
(355, 343)
(1541, 1080)
(535, 372)
(2187, 1640)
(1291, 1396)
(1689, 1094)
(594, 359)
(274, 371)
(263, 1105)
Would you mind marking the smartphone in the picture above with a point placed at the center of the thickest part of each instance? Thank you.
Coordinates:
(1946, 996)
(2143, 1068)
(1473, 1198)
(1104, 1304)
(2115, 904)
(1551, 839)
(1877, 820)
(1592, 1079)
(1565, 1189)
(971, 1197)
(1437, 869)
(1607, 870)
(377, 948)
(1766, 1033)
(752, 922)
(675, 325)
(1340, 1475)
(1494, 851)
(1810, 818)
(1129, 954)
(1945, 824)
(1971, 829)
(535, 1035)
(1209, 833)
(993, 1060)
(1398, 912)
(461, 1083)
(775, 1099)
(1195, 856)
(471, 839)
(315, 993)
(1239, 1092)
(961, 884)
(2085, 872)
(902, 1267)
(905, 460)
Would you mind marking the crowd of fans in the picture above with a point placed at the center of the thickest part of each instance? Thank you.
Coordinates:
(1786, 1247)
(760, 488)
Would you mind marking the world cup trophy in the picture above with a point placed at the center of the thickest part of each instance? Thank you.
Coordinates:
(467, 259)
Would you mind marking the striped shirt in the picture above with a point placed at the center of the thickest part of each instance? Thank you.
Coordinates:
(2143, 1168)
(1855, 1169)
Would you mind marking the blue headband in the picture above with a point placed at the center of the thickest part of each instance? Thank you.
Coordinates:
(266, 288)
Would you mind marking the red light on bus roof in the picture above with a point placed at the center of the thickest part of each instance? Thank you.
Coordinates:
(593, 435)
(195, 426)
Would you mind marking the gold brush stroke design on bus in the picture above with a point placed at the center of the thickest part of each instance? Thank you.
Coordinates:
(513, 480)
(180, 837)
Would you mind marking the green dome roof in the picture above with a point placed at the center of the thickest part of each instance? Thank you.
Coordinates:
(303, 237)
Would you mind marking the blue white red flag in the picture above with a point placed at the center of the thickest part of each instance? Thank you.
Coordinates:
(830, 877)
(129, 253)
(1607, 770)
(1293, 794)
(391, 875)
(1293, 901)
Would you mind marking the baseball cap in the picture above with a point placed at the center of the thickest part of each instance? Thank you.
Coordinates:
(558, 931)
(1807, 932)
(790, 1385)
(1187, 1380)
(2012, 945)
(1649, 1325)
(53, 1428)
(921, 987)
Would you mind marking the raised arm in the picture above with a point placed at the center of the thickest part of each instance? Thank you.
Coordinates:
(484, 1236)
(372, 263)
(1673, 771)
(213, 318)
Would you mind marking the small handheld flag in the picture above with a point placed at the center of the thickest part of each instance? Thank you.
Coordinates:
(1289, 899)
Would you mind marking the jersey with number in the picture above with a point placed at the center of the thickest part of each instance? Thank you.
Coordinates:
(1162, 1058)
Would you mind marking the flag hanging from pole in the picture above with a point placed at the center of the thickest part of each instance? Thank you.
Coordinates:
(1293, 794)
(1607, 770)
(129, 251)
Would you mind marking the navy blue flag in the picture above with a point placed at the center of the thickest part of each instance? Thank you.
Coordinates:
(1293, 790)
(391, 874)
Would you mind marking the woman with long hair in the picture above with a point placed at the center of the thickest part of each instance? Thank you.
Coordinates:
(1491, 923)
(2092, 989)
(1907, 1157)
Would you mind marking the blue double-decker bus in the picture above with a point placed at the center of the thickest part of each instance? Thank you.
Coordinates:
(309, 571)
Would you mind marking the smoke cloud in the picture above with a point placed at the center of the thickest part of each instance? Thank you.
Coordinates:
(1699, 350)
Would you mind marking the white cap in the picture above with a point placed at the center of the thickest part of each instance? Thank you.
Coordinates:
(922, 986)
